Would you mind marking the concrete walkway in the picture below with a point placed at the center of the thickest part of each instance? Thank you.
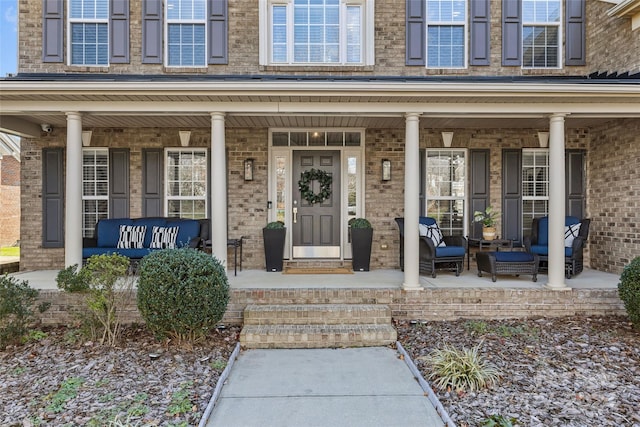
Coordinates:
(368, 386)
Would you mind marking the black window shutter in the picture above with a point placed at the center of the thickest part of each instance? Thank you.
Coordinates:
(575, 53)
(575, 183)
(416, 32)
(119, 32)
(479, 187)
(218, 32)
(52, 31)
(511, 32)
(119, 183)
(152, 179)
(152, 32)
(512, 195)
(480, 33)
(52, 198)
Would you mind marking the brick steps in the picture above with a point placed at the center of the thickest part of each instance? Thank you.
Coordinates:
(317, 326)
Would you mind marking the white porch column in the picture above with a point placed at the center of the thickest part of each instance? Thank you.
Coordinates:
(218, 189)
(556, 202)
(73, 192)
(411, 203)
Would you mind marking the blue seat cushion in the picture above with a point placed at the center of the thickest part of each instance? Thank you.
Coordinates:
(427, 220)
(188, 229)
(543, 228)
(515, 256)
(544, 250)
(129, 253)
(450, 251)
(109, 231)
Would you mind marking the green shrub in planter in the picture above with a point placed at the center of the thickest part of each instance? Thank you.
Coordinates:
(17, 303)
(629, 290)
(182, 293)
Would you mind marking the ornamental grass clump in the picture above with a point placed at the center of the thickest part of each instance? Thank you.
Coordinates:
(461, 370)
(629, 290)
(182, 294)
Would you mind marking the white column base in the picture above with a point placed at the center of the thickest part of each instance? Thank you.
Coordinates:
(558, 287)
(411, 287)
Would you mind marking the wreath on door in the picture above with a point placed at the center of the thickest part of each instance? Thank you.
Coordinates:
(305, 185)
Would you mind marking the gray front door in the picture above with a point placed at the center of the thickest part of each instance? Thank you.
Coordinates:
(316, 227)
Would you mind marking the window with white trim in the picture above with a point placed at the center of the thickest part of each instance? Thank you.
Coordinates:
(541, 33)
(446, 185)
(186, 29)
(186, 183)
(89, 30)
(446, 33)
(328, 32)
(535, 186)
(95, 188)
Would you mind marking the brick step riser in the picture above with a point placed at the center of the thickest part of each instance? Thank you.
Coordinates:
(320, 263)
(313, 337)
(316, 315)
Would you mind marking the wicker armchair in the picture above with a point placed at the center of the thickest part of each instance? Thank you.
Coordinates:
(538, 243)
(449, 257)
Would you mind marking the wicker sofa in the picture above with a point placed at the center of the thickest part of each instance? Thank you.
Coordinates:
(190, 233)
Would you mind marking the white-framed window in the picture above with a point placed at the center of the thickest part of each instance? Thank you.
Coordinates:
(89, 32)
(95, 188)
(186, 33)
(541, 33)
(446, 176)
(535, 186)
(186, 182)
(317, 32)
(446, 33)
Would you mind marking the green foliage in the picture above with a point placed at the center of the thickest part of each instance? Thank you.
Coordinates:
(476, 327)
(488, 218)
(629, 290)
(68, 390)
(462, 369)
(498, 421)
(180, 402)
(107, 281)
(305, 185)
(275, 225)
(17, 305)
(218, 364)
(359, 223)
(182, 293)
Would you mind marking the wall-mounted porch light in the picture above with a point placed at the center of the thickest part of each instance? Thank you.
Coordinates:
(447, 137)
(543, 139)
(386, 170)
(248, 170)
(185, 136)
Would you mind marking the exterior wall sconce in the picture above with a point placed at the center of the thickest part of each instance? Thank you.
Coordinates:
(185, 136)
(248, 170)
(86, 138)
(386, 170)
(543, 139)
(447, 137)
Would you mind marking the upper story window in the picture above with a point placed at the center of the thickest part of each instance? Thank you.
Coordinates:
(541, 33)
(89, 29)
(446, 33)
(327, 32)
(186, 33)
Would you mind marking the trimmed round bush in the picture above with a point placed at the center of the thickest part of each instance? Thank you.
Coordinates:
(182, 293)
(629, 290)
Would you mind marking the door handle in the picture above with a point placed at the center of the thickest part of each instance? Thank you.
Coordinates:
(295, 215)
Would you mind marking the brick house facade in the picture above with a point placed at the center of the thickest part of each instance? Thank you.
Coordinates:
(9, 191)
(140, 102)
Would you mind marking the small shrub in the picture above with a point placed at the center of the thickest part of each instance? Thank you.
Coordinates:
(275, 225)
(629, 290)
(462, 369)
(17, 305)
(498, 421)
(72, 279)
(182, 293)
(359, 223)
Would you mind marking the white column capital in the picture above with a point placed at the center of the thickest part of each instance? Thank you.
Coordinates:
(73, 115)
(217, 115)
(412, 116)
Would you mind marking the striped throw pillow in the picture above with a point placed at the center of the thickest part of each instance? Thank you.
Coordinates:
(164, 237)
(131, 236)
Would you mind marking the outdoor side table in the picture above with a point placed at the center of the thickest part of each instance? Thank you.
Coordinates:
(481, 244)
(235, 244)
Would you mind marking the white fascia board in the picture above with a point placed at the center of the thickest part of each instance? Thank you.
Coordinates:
(626, 8)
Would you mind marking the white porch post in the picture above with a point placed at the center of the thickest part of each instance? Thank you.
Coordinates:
(218, 189)
(556, 202)
(411, 203)
(73, 192)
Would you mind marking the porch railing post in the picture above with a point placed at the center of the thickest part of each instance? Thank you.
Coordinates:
(411, 203)
(218, 189)
(73, 192)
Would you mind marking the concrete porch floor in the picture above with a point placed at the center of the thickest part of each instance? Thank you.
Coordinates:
(374, 279)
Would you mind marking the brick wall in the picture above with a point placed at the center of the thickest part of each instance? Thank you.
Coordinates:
(9, 200)
(614, 194)
(610, 46)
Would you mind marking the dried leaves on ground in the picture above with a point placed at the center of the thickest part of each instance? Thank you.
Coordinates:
(59, 379)
(575, 371)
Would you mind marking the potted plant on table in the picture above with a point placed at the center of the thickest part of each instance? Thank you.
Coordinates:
(488, 218)
(361, 239)
(274, 236)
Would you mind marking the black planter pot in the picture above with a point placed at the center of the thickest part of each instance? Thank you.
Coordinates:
(274, 247)
(361, 239)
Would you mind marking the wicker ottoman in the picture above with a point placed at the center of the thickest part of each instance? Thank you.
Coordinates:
(507, 262)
